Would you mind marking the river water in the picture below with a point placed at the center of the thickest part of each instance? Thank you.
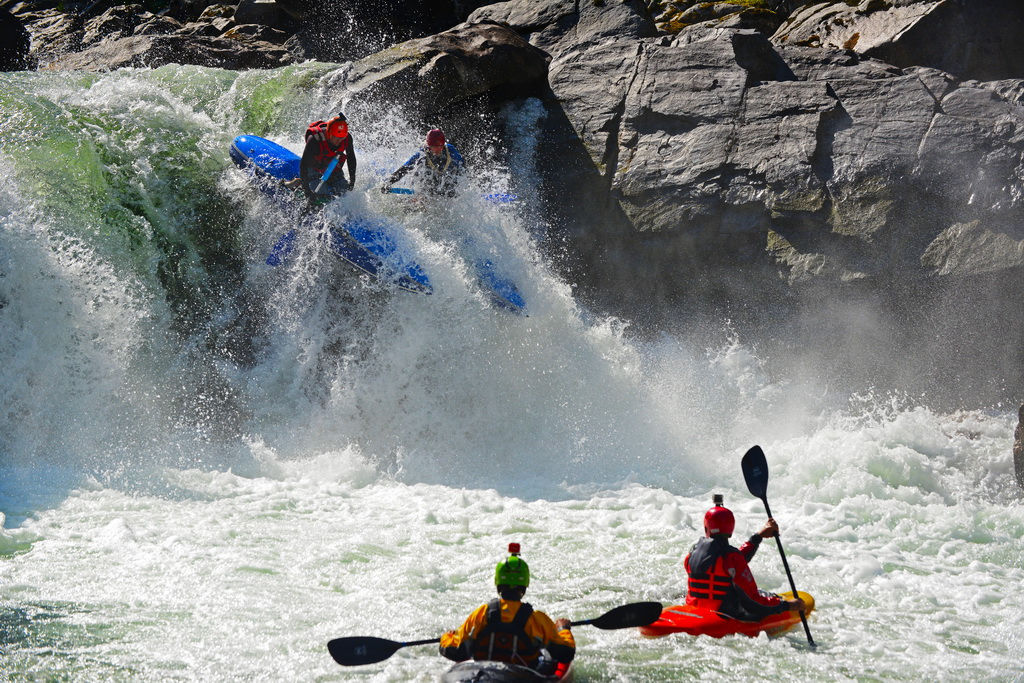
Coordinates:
(210, 467)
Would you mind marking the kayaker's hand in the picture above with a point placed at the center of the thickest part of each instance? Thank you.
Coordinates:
(771, 528)
(562, 624)
(797, 604)
(384, 189)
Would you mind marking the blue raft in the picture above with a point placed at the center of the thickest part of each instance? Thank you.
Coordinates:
(362, 242)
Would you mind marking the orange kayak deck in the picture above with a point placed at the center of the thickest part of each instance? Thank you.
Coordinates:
(701, 622)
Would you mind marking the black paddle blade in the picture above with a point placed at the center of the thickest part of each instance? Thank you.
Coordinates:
(628, 616)
(358, 650)
(755, 471)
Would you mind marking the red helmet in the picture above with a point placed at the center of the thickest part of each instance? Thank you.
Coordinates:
(719, 520)
(435, 138)
(337, 127)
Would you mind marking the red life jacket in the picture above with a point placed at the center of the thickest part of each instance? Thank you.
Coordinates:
(325, 154)
(499, 641)
(709, 588)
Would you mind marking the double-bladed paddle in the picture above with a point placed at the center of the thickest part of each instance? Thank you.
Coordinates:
(755, 471)
(356, 650)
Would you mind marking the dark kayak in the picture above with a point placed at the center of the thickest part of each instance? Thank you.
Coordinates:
(500, 672)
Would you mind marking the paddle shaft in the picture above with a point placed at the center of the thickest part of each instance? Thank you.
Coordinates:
(428, 641)
(327, 174)
(789, 575)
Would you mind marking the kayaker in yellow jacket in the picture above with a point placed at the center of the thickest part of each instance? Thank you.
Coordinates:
(509, 630)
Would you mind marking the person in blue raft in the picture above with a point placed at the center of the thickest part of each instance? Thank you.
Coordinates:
(435, 167)
(327, 142)
(509, 630)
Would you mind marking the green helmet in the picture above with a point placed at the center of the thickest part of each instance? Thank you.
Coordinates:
(514, 571)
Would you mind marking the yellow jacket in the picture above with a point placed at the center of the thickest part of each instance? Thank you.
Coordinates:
(460, 644)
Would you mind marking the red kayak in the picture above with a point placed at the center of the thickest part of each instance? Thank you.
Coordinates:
(702, 622)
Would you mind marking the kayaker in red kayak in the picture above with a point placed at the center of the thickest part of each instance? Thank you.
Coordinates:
(509, 630)
(719, 577)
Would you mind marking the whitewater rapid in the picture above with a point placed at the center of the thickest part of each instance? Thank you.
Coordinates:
(210, 467)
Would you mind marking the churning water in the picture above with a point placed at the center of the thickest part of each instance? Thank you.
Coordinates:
(210, 467)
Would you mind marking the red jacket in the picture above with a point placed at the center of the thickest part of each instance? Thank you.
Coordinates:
(325, 153)
(318, 155)
(719, 579)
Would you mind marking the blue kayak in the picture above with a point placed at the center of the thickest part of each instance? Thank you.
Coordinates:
(500, 289)
(363, 242)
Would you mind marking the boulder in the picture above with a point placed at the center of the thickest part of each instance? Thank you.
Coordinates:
(256, 32)
(157, 25)
(968, 40)
(54, 33)
(210, 28)
(558, 25)
(434, 75)
(157, 50)
(116, 22)
(716, 171)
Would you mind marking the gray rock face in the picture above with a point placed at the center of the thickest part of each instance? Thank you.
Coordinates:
(979, 40)
(718, 170)
(722, 143)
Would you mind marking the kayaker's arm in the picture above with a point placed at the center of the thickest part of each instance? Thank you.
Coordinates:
(769, 530)
(351, 162)
(308, 174)
(456, 653)
(560, 642)
(400, 172)
(749, 549)
(743, 579)
(457, 645)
